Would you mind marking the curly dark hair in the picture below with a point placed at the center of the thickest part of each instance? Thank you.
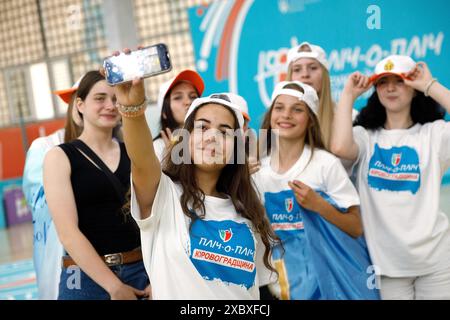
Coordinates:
(423, 110)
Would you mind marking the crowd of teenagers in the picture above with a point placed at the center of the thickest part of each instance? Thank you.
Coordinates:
(334, 204)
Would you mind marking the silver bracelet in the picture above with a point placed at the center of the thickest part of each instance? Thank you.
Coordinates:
(132, 109)
(427, 88)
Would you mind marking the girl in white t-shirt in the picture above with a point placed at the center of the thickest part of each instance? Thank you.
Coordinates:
(175, 97)
(401, 149)
(204, 232)
(311, 204)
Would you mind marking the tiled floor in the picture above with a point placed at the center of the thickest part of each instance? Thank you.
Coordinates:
(17, 275)
(16, 243)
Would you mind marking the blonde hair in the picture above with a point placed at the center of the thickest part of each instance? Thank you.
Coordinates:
(326, 104)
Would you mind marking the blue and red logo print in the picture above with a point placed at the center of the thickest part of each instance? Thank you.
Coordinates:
(284, 213)
(394, 169)
(226, 235)
(223, 250)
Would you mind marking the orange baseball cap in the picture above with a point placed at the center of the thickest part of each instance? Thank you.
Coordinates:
(185, 75)
(66, 94)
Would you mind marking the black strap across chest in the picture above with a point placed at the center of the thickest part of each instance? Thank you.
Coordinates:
(84, 148)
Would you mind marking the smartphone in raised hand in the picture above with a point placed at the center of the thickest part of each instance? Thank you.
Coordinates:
(141, 63)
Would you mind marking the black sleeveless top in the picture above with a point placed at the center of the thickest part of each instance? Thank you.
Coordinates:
(100, 215)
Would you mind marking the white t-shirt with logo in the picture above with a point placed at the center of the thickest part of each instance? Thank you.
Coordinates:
(398, 175)
(324, 173)
(218, 257)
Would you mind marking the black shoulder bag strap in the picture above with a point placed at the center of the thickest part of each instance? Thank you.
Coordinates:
(81, 146)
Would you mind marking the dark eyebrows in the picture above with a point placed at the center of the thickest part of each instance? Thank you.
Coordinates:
(204, 120)
(181, 92)
(222, 125)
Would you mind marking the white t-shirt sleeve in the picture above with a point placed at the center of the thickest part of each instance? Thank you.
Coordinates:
(361, 138)
(160, 148)
(338, 185)
(265, 276)
(162, 204)
(256, 182)
(441, 139)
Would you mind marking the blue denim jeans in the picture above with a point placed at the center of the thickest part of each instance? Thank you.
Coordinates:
(74, 284)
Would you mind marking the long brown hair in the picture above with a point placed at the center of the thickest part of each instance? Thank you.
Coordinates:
(234, 180)
(313, 136)
(326, 104)
(71, 129)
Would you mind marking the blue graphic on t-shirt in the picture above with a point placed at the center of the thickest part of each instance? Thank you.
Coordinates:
(284, 213)
(223, 250)
(394, 169)
(320, 261)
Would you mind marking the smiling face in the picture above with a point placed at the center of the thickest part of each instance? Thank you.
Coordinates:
(290, 117)
(309, 71)
(394, 94)
(99, 106)
(212, 139)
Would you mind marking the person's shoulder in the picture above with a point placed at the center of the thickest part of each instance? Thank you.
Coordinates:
(46, 142)
(437, 124)
(39, 143)
(324, 156)
(56, 158)
(361, 130)
(56, 151)
(324, 161)
(174, 183)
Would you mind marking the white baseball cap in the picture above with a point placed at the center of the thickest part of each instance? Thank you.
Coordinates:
(186, 75)
(316, 53)
(395, 64)
(309, 96)
(241, 103)
(231, 100)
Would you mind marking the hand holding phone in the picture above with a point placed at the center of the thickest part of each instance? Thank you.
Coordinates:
(142, 63)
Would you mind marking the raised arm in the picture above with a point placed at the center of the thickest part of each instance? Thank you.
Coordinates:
(145, 166)
(422, 80)
(61, 202)
(342, 143)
